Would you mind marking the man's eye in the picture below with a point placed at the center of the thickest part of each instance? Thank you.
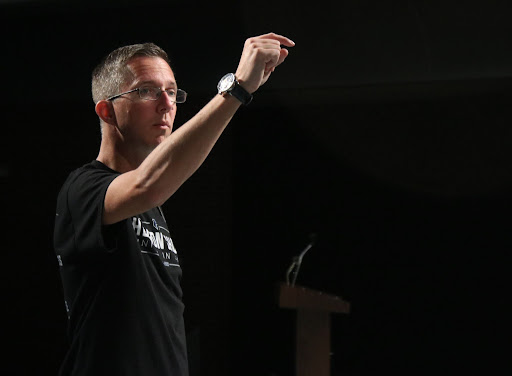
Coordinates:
(145, 90)
(171, 92)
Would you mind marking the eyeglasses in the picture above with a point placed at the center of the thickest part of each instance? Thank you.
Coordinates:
(153, 93)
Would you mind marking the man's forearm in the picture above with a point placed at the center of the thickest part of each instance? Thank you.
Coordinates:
(183, 152)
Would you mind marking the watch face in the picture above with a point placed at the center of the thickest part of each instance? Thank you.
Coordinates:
(226, 83)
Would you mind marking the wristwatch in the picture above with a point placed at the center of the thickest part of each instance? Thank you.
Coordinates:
(229, 84)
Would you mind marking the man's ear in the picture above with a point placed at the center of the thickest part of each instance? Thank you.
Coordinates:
(105, 110)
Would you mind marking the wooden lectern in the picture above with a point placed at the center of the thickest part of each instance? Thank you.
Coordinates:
(313, 328)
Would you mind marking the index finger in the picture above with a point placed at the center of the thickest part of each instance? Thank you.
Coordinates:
(280, 38)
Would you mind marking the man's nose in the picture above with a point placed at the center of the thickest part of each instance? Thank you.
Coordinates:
(166, 102)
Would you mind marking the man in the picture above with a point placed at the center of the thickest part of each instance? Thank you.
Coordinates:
(119, 267)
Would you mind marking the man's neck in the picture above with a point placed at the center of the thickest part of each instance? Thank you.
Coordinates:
(118, 159)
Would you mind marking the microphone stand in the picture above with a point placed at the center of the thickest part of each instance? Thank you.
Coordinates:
(297, 261)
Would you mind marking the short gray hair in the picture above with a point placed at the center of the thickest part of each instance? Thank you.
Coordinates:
(113, 71)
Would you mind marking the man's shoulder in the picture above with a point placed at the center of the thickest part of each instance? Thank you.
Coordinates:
(87, 174)
(94, 167)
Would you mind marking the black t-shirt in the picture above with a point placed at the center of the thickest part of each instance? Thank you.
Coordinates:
(121, 285)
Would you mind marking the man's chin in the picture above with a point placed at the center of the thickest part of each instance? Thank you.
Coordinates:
(159, 140)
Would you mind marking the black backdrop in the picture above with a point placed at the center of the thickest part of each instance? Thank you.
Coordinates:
(386, 133)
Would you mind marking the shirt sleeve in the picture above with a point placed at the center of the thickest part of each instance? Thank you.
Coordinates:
(81, 203)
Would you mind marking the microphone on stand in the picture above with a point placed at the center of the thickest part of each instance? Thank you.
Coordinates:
(297, 261)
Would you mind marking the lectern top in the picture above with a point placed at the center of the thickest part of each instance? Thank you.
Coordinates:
(303, 298)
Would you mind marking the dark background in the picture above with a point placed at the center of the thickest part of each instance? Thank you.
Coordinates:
(386, 132)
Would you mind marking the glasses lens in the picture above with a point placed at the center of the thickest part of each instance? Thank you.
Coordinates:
(148, 93)
(153, 93)
(181, 96)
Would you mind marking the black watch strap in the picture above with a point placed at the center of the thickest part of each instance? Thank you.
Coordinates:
(241, 94)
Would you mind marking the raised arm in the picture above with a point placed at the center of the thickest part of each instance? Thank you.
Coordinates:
(168, 166)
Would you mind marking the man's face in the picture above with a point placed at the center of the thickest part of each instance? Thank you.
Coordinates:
(146, 123)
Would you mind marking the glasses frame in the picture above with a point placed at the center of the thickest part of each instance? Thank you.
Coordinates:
(137, 89)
